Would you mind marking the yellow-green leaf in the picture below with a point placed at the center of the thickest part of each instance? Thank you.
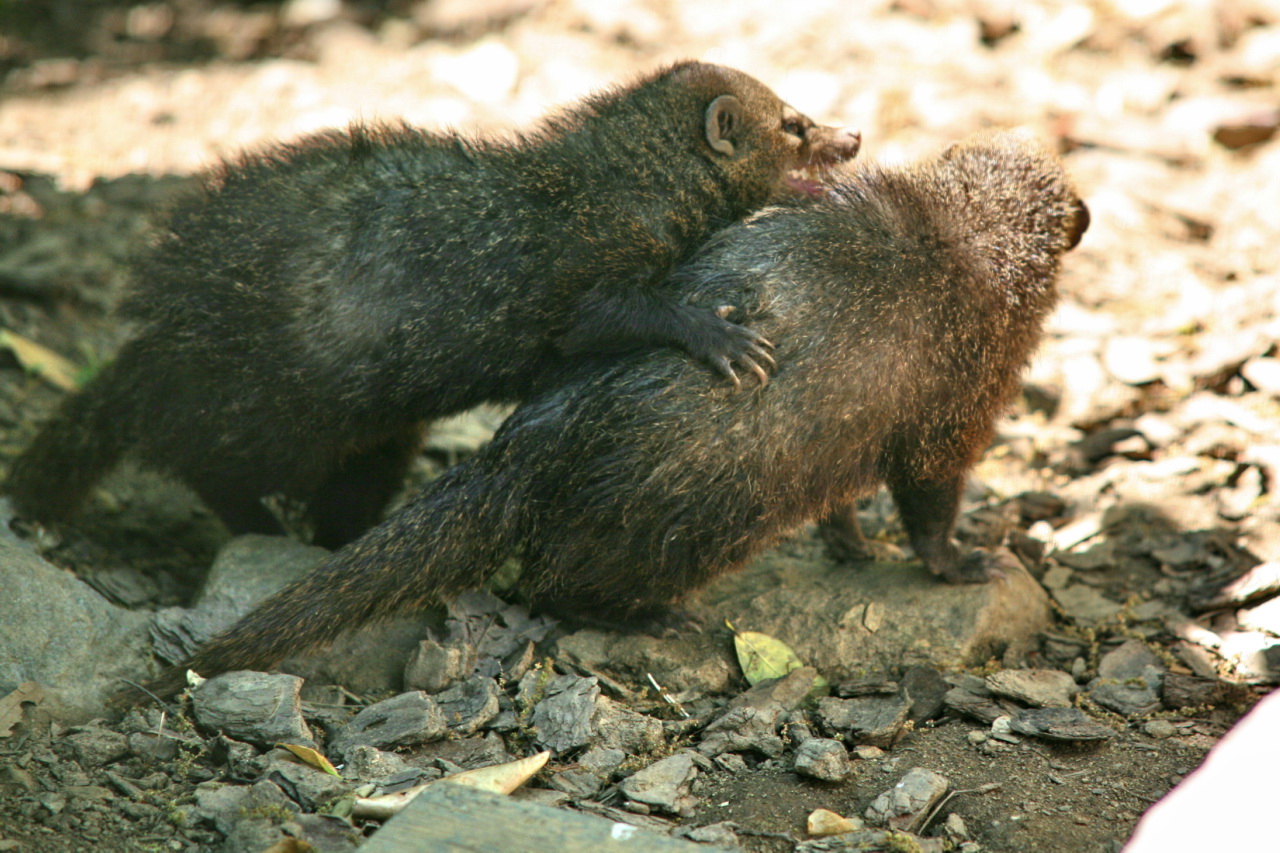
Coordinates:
(41, 361)
(763, 657)
(310, 756)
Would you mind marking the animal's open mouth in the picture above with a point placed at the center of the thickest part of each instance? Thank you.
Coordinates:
(814, 179)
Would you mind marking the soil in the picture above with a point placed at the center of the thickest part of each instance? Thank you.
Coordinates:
(1159, 356)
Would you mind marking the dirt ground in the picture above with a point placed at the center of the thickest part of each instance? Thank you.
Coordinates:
(1152, 415)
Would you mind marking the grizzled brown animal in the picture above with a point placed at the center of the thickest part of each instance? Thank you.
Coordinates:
(904, 308)
(304, 314)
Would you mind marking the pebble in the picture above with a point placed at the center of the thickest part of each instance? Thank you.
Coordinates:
(824, 759)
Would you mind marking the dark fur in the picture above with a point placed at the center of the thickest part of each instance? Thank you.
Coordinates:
(304, 315)
(904, 309)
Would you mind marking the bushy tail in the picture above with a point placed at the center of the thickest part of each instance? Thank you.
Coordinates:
(451, 538)
(72, 451)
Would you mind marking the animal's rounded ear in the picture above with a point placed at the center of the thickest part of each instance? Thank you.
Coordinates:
(724, 123)
(1078, 225)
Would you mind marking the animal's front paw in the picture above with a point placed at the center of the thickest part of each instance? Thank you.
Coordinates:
(977, 566)
(725, 345)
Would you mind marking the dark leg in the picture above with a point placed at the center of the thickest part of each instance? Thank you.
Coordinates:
(240, 507)
(928, 509)
(845, 541)
(352, 498)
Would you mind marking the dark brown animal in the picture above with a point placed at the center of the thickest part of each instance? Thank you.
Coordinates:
(304, 315)
(904, 306)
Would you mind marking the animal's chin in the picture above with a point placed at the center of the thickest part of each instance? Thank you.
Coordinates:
(808, 180)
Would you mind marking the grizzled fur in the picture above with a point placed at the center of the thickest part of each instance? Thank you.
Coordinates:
(904, 307)
(302, 316)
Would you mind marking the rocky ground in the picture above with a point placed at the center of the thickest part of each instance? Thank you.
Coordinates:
(1136, 481)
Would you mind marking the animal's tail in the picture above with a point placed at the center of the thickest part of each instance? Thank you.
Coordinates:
(451, 538)
(72, 451)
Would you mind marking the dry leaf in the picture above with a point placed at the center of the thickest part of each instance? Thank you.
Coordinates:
(310, 756)
(11, 705)
(498, 778)
(43, 362)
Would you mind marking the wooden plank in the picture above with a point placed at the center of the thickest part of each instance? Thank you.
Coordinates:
(456, 818)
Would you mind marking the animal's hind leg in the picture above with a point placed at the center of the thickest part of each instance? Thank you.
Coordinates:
(353, 496)
(240, 507)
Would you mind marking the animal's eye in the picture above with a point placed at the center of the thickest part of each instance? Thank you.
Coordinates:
(793, 127)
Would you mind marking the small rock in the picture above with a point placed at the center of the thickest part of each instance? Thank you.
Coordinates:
(822, 823)
(908, 803)
(563, 715)
(824, 759)
(954, 828)
(977, 704)
(595, 767)
(226, 805)
(1263, 374)
(927, 690)
(96, 747)
(469, 705)
(1129, 680)
(433, 666)
(1263, 617)
(1040, 688)
(866, 752)
(1061, 724)
(752, 720)
(663, 785)
(257, 707)
(1159, 729)
(309, 786)
(405, 720)
(1085, 604)
(1132, 360)
(720, 834)
(877, 720)
(152, 747)
(1191, 691)
(627, 730)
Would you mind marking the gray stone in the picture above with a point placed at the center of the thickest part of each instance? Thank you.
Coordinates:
(926, 689)
(225, 805)
(563, 709)
(752, 720)
(257, 707)
(469, 705)
(1128, 660)
(907, 804)
(663, 785)
(819, 613)
(876, 720)
(310, 786)
(1040, 688)
(1058, 724)
(95, 747)
(1159, 729)
(1086, 605)
(405, 720)
(434, 666)
(62, 634)
(1129, 680)
(370, 764)
(824, 759)
(620, 728)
